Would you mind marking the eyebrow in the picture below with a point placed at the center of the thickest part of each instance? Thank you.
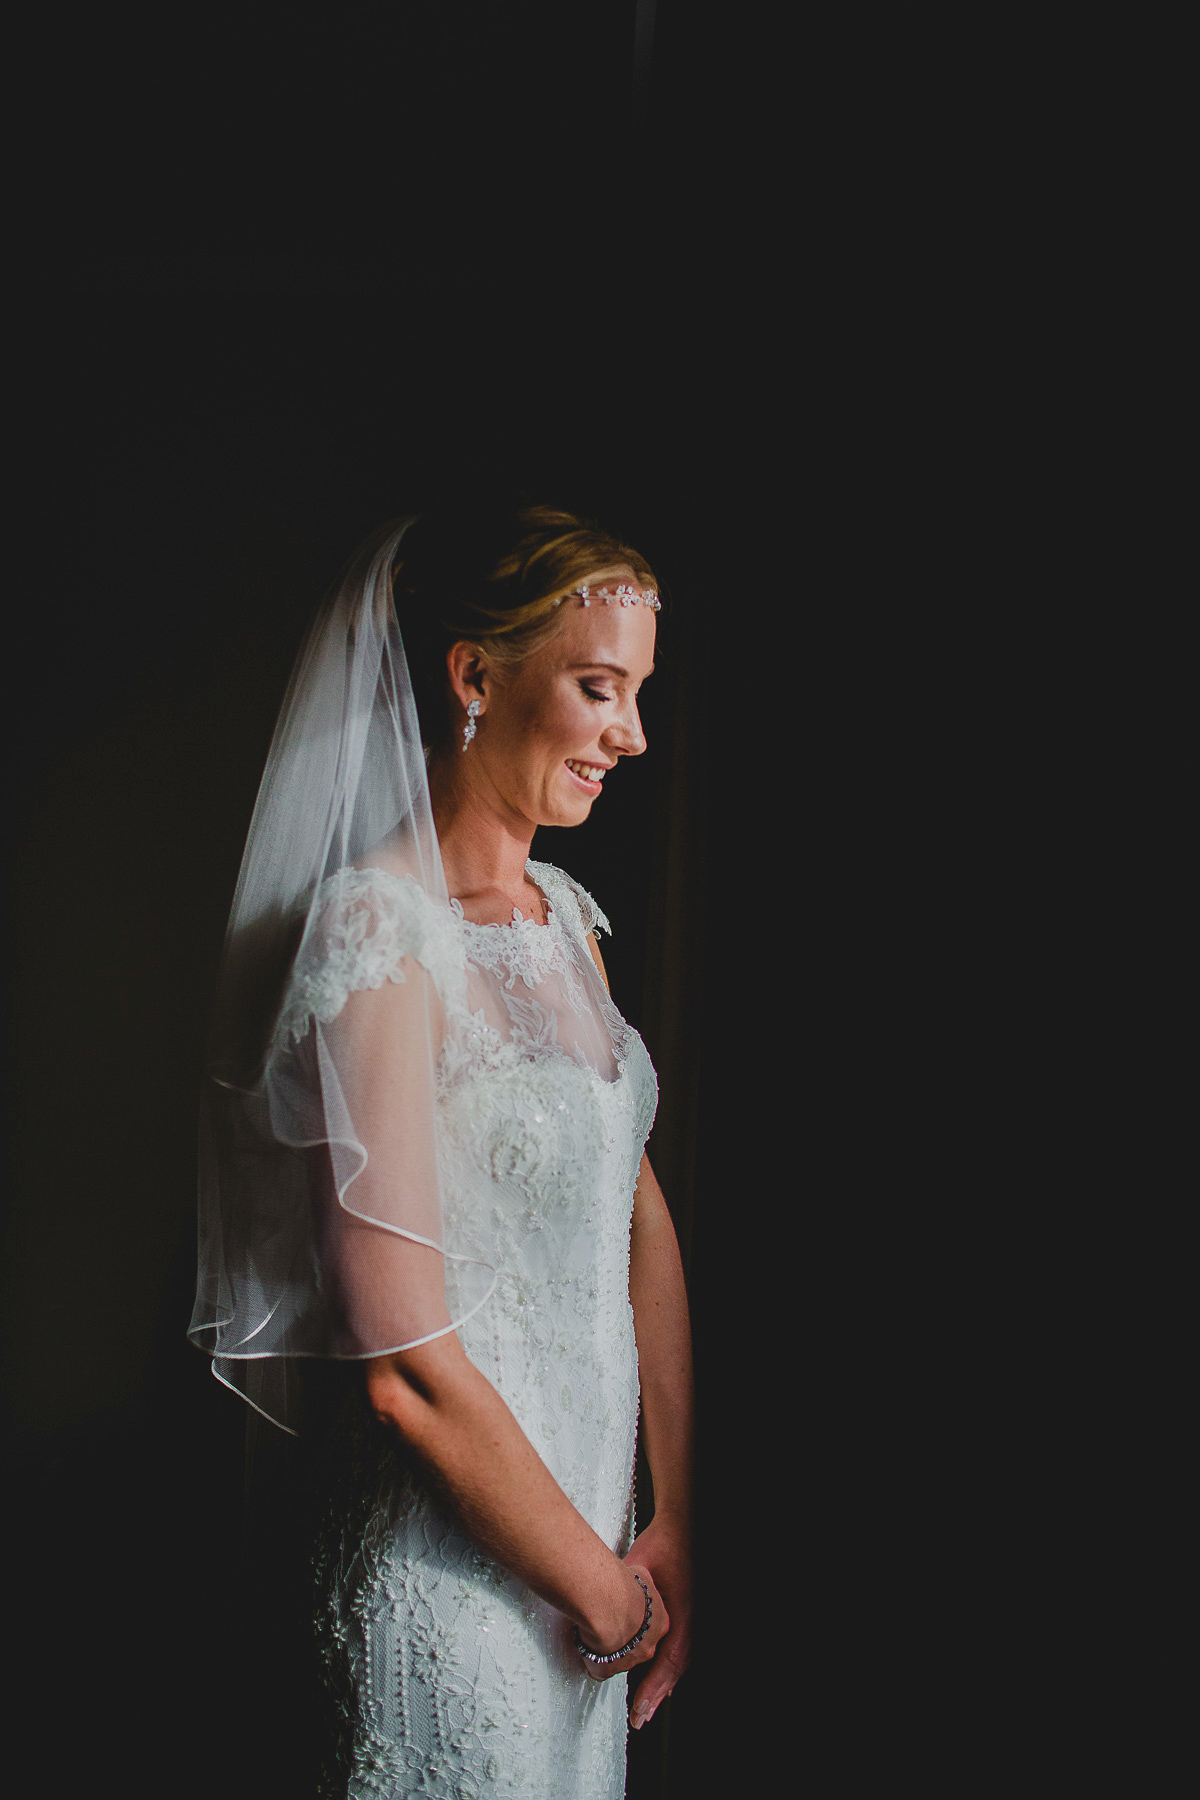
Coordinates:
(615, 668)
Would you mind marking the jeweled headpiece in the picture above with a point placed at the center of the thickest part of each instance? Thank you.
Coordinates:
(624, 594)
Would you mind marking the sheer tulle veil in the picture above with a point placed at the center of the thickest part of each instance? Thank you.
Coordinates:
(300, 1253)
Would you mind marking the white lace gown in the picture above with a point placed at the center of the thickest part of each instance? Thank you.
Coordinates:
(451, 1678)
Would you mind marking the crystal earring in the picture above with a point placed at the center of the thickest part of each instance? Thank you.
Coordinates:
(470, 728)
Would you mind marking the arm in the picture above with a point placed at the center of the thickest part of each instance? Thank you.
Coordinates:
(461, 1430)
(660, 1316)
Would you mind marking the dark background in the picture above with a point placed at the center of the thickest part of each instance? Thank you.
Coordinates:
(290, 290)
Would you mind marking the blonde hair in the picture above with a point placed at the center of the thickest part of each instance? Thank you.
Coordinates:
(492, 580)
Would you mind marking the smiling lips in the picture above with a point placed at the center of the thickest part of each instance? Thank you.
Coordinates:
(585, 771)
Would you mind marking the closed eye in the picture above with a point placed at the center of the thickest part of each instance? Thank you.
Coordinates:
(592, 693)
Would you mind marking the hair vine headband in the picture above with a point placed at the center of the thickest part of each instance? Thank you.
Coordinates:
(623, 592)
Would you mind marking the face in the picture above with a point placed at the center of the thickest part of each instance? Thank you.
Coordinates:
(554, 728)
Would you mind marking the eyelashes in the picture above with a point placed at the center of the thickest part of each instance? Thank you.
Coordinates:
(593, 695)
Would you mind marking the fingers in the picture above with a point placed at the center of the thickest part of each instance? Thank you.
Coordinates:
(644, 1708)
(654, 1688)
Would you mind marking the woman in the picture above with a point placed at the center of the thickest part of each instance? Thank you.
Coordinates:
(436, 1167)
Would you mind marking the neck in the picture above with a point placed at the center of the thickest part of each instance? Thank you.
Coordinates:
(484, 844)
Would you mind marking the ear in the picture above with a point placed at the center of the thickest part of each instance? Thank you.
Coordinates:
(470, 674)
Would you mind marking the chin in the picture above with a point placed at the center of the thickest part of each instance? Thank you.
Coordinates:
(569, 816)
(565, 805)
(566, 813)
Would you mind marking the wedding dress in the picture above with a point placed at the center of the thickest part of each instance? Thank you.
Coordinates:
(451, 1678)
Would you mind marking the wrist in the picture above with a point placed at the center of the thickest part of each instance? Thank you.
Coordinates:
(617, 1614)
(599, 1658)
(673, 1519)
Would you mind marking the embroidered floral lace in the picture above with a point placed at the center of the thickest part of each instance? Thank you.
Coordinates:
(450, 1677)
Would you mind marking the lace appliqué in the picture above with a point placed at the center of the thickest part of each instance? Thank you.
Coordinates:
(369, 923)
(549, 878)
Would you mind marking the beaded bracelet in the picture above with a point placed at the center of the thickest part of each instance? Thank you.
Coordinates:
(594, 1656)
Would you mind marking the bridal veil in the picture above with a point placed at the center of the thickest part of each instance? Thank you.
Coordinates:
(322, 1232)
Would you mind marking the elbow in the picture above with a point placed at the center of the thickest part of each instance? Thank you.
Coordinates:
(393, 1400)
(414, 1391)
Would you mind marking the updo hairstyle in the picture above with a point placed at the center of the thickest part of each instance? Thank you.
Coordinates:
(491, 580)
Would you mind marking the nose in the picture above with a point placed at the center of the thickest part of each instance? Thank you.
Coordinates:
(624, 733)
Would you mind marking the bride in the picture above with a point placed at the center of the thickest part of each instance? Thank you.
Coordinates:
(426, 1161)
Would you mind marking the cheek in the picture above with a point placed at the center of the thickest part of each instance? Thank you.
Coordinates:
(564, 721)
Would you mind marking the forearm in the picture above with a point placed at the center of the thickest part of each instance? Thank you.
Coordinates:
(664, 1345)
(506, 1498)
(664, 1341)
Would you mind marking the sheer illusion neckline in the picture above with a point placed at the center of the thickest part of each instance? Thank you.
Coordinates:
(518, 919)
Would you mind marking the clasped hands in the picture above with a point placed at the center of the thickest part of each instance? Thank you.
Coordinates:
(660, 1557)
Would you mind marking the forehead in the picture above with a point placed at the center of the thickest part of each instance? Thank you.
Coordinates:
(600, 633)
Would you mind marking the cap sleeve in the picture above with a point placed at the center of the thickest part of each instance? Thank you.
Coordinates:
(568, 897)
(369, 923)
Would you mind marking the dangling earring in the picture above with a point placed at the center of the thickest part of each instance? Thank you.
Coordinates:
(470, 728)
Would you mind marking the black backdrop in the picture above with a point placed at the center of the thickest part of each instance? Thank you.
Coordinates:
(261, 329)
